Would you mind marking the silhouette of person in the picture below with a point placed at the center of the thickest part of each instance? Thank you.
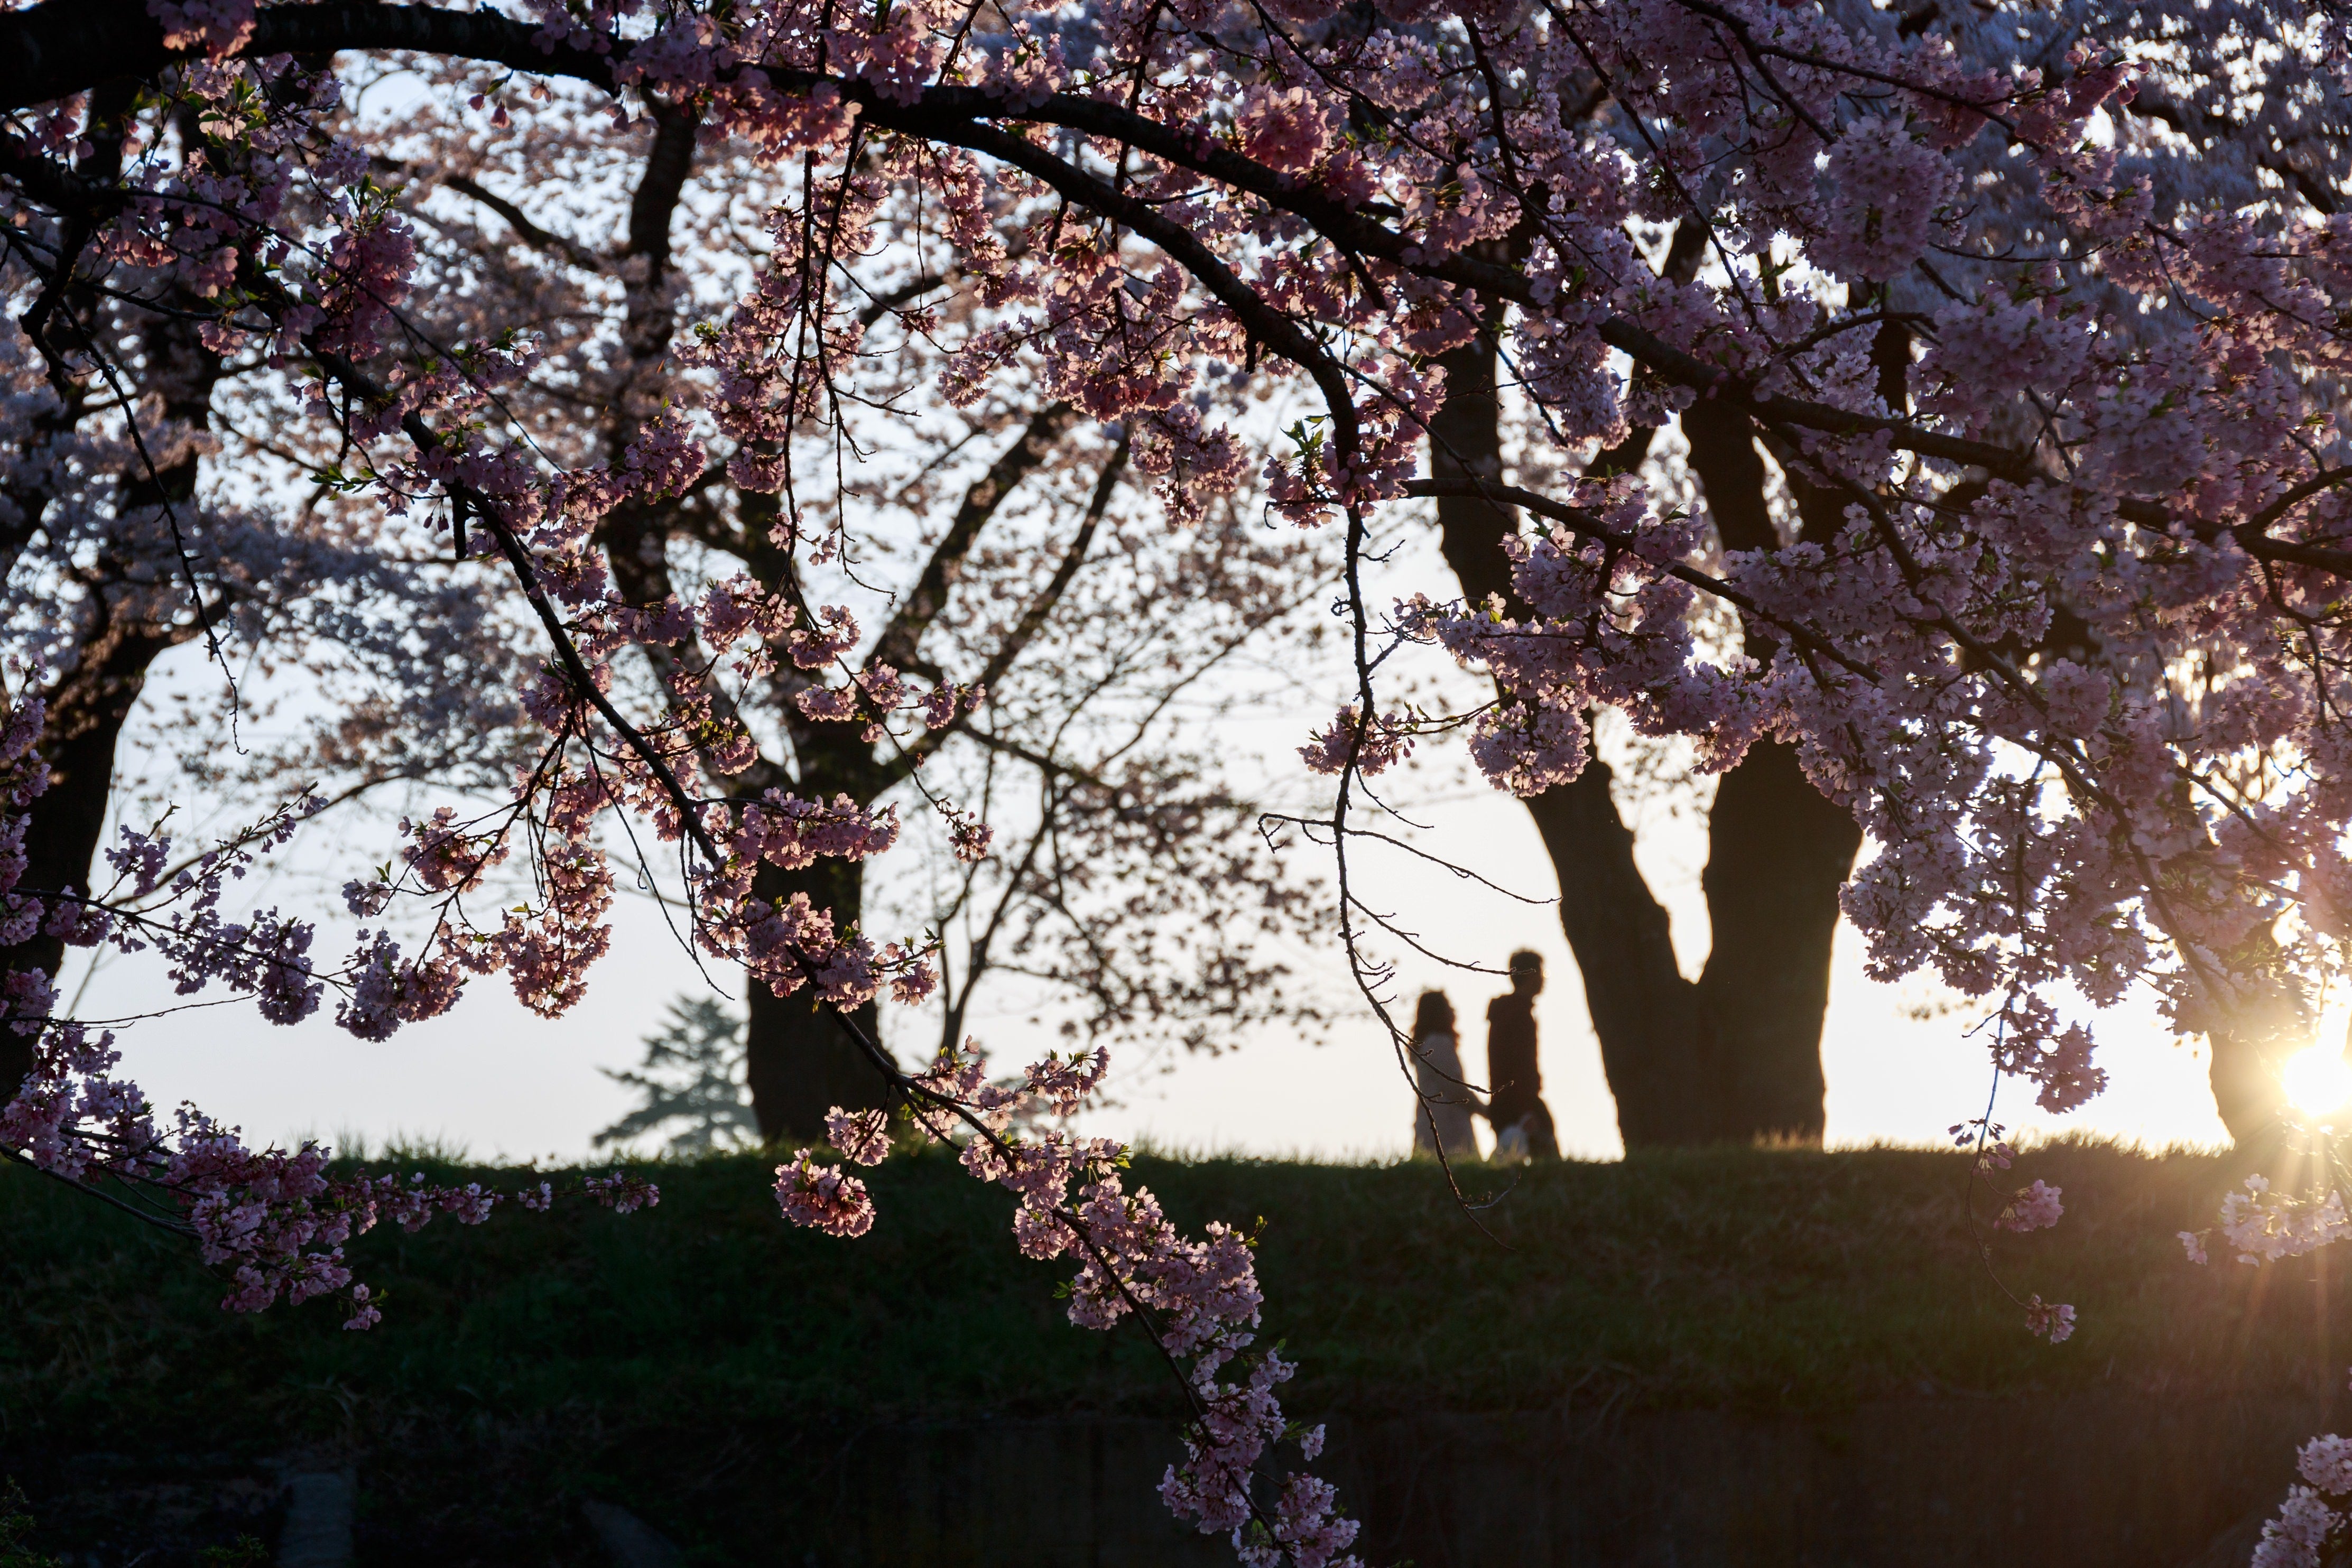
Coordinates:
(1515, 1083)
(1442, 1117)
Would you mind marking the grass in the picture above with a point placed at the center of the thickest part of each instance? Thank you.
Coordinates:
(1713, 1278)
(1743, 1279)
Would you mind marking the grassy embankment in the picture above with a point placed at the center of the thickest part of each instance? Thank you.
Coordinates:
(1712, 1278)
(1744, 1279)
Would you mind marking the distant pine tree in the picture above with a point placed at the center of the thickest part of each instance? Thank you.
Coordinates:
(693, 1073)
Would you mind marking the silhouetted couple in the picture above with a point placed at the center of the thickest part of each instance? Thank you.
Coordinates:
(1515, 1106)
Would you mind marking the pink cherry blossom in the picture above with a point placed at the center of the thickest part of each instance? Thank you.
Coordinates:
(2032, 1208)
(1373, 747)
(2326, 1463)
(2051, 1321)
(1886, 189)
(2295, 1538)
(863, 1135)
(822, 1198)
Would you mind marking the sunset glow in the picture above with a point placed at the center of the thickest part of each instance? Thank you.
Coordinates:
(2318, 1079)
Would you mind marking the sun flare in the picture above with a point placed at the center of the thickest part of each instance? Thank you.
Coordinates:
(2318, 1079)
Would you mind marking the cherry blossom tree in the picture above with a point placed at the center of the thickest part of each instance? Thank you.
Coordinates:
(1734, 1054)
(1007, 544)
(1749, 1028)
(2060, 630)
(281, 1222)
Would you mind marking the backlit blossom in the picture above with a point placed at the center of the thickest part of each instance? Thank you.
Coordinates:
(2326, 1463)
(2052, 1321)
(2295, 1538)
(1383, 742)
(1886, 188)
(822, 1199)
(2032, 1208)
(2264, 1227)
(862, 1135)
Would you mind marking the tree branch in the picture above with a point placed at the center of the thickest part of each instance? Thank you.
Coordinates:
(900, 640)
(1588, 526)
(60, 47)
(513, 217)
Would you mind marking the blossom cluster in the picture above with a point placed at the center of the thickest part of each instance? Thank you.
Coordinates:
(2052, 1321)
(2260, 1226)
(274, 1223)
(2032, 1208)
(1372, 748)
(2314, 1512)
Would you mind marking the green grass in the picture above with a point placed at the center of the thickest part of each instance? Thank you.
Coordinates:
(1739, 1278)
(669, 1357)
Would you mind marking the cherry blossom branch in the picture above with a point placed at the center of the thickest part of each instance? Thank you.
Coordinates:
(527, 578)
(1585, 524)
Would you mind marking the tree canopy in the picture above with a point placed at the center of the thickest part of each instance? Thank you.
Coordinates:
(2039, 311)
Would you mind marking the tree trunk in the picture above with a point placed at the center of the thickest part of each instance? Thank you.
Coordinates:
(1644, 1012)
(2268, 1022)
(2244, 1074)
(1777, 856)
(1737, 1054)
(86, 716)
(89, 706)
(799, 1061)
(1777, 851)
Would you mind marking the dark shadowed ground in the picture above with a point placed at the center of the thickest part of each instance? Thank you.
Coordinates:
(1739, 1356)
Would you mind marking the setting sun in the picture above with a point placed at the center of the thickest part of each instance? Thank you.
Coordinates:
(2318, 1079)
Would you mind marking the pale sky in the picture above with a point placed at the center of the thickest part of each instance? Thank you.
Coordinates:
(500, 1082)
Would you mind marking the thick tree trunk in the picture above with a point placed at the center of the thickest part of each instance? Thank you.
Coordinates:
(1737, 1054)
(1777, 853)
(801, 1063)
(1777, 856)
(1644, 1012)
(2244, 1074)
(2270, 1022)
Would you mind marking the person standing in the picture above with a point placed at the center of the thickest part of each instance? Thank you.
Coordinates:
(1442, 1117)
(1515, 1083)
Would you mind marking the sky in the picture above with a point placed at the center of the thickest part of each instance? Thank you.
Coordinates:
(497, 1082)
